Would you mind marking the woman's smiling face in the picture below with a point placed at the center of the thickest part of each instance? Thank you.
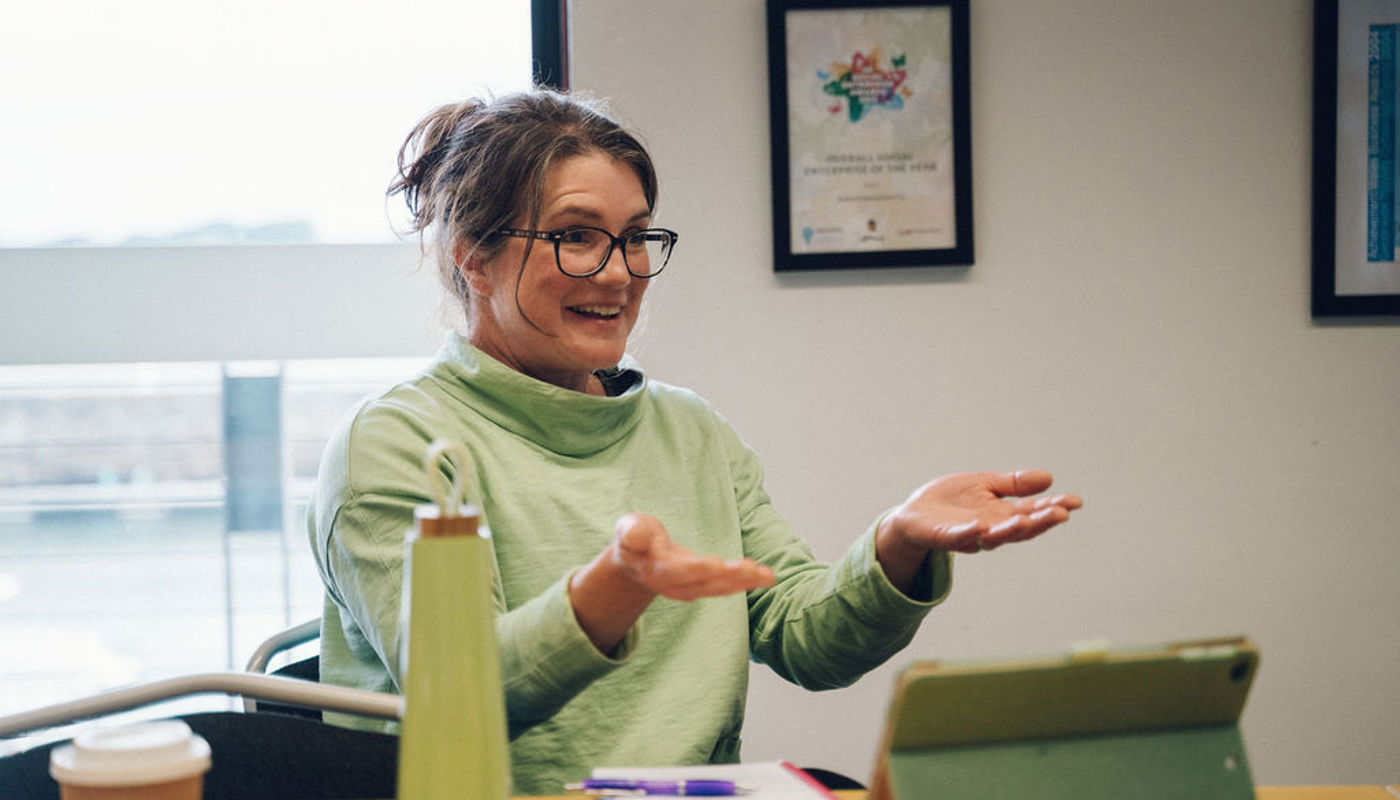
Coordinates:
(534, 318)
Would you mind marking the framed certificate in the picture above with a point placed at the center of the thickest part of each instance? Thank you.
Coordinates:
(872, 151)
(1356, 219)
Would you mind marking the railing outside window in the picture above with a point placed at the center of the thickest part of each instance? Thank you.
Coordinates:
(152, 515)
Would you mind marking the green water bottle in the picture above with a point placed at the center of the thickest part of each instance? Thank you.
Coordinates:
(452, 742)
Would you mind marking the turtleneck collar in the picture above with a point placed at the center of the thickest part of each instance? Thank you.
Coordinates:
(560, 420)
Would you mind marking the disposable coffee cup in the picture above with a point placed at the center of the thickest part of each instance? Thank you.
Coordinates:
(162, 760)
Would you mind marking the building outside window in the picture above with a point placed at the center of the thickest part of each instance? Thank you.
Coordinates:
(152, 510)
(130, 546)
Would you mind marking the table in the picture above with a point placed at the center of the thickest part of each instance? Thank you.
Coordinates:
(1261, 793)
(1327, 792)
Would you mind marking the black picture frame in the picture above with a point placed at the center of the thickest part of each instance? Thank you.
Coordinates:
(549, 43)
(933, 233)
(1343, 204)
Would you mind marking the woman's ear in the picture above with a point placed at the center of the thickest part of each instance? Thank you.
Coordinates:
(469, 263)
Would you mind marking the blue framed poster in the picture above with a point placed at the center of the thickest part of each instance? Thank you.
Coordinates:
(1356, 225)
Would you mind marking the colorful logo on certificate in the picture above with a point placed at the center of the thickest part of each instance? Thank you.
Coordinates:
(864, 84)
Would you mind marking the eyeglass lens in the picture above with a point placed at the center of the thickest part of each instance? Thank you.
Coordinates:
(583, 251)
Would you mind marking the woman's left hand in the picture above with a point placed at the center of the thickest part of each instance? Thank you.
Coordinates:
(642, 563)
(966, 513)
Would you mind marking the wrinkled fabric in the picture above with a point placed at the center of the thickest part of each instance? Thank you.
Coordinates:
(552, 471)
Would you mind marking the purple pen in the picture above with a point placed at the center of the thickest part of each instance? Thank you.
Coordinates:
(680, 788)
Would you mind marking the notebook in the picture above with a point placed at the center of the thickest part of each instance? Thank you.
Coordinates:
(1156, 723)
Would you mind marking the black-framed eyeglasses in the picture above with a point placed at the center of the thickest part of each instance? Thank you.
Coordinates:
(583, 251)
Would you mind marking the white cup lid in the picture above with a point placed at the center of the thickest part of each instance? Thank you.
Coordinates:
(146, 752)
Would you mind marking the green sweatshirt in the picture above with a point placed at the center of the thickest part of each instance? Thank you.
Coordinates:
(553, 471)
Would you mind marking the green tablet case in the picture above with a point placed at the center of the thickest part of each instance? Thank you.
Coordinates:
(1155, 724)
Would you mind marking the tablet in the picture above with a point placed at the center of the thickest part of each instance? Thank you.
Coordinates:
(1155, 722)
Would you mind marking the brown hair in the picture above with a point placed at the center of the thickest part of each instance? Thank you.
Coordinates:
(470, 168)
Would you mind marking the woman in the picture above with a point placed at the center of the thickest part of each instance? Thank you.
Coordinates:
(614, 500)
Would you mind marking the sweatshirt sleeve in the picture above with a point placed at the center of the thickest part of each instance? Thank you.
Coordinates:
(546, 658)
(823, 626)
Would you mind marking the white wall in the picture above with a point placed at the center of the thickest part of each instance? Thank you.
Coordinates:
(1137, 321)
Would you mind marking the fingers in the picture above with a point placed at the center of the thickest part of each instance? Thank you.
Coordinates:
(1020, 483)
(1031, 516)
(712, 578)
(646, 550)
(984, 523)
(959, 537)
(636, 532)
(1069, 502)
(1020, 527)
(690, 576)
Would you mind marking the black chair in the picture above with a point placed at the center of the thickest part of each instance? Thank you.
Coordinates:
(833, 780)
(260, 755)
(309, 669)
(277, 748)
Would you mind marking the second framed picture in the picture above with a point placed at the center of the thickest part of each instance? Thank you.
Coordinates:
(1356, 108)
(872, 151)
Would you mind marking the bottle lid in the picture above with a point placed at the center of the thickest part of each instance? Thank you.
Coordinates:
(131, 755)
(432, 523)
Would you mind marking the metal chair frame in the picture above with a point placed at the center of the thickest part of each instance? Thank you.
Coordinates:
(251, 685)
(278, 643)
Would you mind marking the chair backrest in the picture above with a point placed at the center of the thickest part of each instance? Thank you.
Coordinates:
(264, 756)
(281, 641)
(270, 756)
(307, 669)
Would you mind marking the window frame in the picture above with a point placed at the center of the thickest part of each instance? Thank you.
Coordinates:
(226, 303)
(549, 23)
(236, 302)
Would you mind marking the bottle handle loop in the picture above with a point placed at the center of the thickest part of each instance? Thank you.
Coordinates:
(448, 496)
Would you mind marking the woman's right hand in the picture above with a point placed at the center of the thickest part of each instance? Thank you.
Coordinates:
(610, 593)
(648, 555)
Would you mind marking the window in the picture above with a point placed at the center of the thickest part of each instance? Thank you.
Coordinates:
(179, 468)
(168, 122)
(124, 487)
